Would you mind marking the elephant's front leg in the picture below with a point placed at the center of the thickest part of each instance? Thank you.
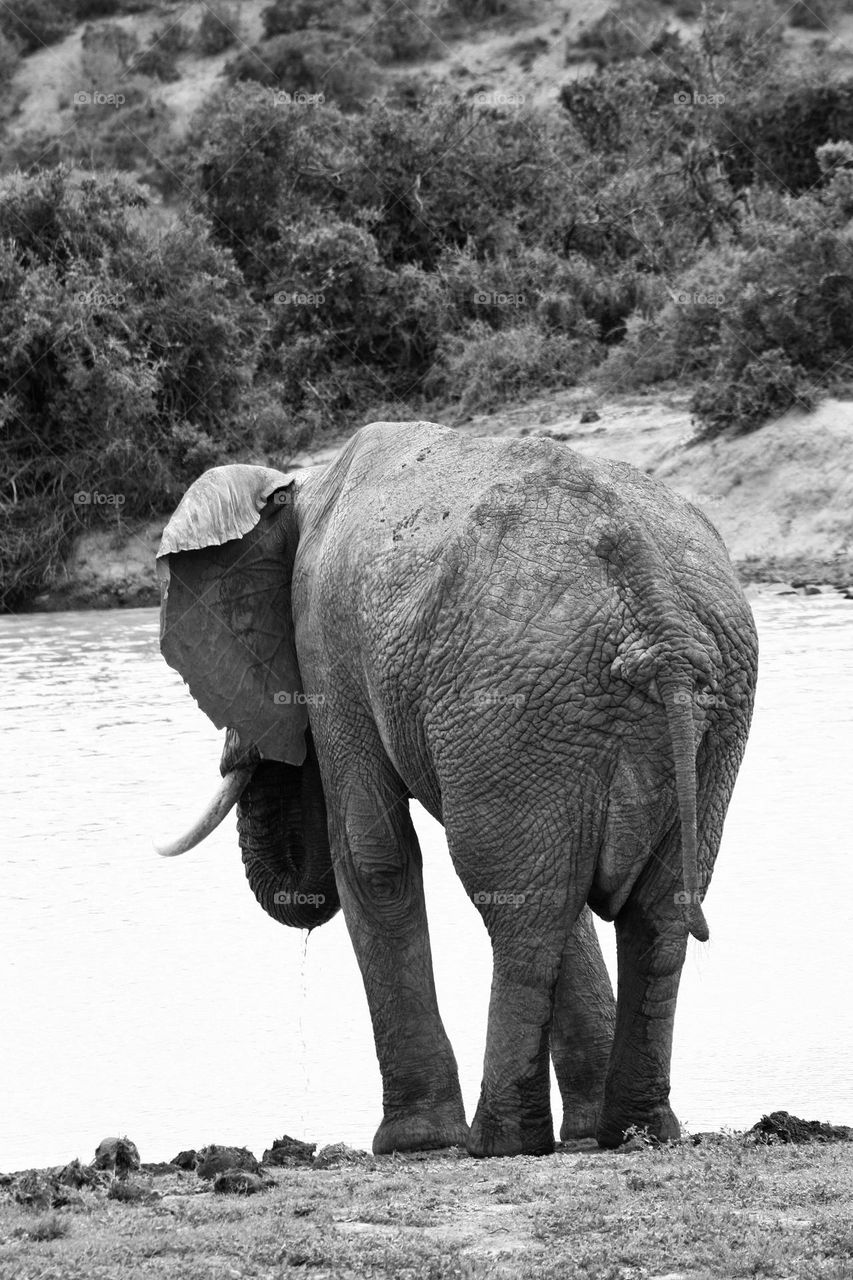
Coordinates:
(582, 1029)
(651, 942)
(379, 876)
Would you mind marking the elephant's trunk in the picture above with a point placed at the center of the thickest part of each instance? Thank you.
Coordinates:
(677, 695)
(281, 820)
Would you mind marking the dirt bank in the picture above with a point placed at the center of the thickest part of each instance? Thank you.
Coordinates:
(782, 497)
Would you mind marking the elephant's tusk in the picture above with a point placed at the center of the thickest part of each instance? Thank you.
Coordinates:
(230, 790)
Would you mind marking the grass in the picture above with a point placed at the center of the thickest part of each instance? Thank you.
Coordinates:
(720, 1209)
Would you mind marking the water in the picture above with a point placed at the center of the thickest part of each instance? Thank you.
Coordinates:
(154, 997)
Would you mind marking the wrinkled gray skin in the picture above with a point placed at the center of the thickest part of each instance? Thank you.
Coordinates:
(550, 653)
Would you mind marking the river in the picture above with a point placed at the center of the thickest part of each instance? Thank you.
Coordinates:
(154, 998)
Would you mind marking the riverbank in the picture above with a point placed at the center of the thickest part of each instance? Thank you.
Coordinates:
(782, 496)
(723, 1208)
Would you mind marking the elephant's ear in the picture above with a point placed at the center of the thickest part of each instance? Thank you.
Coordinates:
(225, 564)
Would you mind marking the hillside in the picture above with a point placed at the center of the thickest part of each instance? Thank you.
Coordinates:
(490, 213)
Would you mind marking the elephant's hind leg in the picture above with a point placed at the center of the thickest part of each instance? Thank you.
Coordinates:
(379, 876)
(651, 942)
(582, 1029)
(529, 915)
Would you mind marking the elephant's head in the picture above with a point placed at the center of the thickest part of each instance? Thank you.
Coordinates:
(225, 564)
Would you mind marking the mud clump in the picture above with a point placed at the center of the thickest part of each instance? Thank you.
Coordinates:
(215, 1159)
(287, 1152)
(186, 1160)
(119, 1155)
(781, 1126)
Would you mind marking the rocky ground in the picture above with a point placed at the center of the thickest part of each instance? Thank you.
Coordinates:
(773, 1202)
(782, 496)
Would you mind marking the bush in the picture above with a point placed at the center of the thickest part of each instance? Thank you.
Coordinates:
(219, 28)
(160, 59)
(131, 137)
(125, 352)
(257, 169)
(323, 67)
(764, 388)
(480, 10)
(32, 24)
(772, 135)
(485, 368)
(814, 15)
(398, 32)
(286, 16)
(10, 57)
(339, 308)
(626, 31)
(107, 48)
(84, 9)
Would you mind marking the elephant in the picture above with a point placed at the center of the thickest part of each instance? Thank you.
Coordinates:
(553, 655)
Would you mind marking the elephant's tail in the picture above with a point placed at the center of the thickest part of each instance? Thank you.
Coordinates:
(677, 694)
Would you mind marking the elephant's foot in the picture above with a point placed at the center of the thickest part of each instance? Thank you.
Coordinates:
(494, 1135)
(660, 1122)
(580, 1120)
(425, 1128)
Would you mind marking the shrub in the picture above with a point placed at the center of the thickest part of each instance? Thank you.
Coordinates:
(484, 368)
(287, 16)
(765, 387)
(626, 31)
(812, 15)
(258, 168)
(479, 10)
(10, 57)
(325, 67)
(131, 138)
(84, 9)
(34, 23)
(125, 352)
(455, 172)
(106, 46)
(772, 135)
(399, 33)
(219, 28)
(160, 58)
